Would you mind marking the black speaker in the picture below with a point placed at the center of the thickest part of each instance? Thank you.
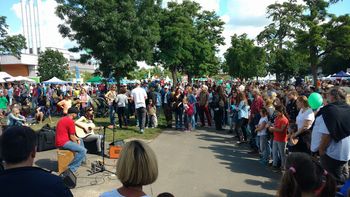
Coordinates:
(69, 179)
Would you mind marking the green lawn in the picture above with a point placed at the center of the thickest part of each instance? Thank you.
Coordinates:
(120, 134)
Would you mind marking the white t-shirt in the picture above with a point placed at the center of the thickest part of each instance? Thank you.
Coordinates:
(115, 193)
(337, 150)
(303, 116)
(316, 133)
(261, 121)
(139, 96)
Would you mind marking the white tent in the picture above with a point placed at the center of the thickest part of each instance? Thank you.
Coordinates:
(21, 79)
(2, 80)
(5, 75)
(55, 80)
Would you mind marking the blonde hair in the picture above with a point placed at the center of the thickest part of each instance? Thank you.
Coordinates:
(137, 165)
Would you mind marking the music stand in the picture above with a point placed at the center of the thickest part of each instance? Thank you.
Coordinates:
(103, 168)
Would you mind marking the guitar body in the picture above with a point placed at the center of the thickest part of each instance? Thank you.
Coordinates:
(81, 133)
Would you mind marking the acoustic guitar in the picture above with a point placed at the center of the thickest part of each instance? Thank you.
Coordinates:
(86, 129)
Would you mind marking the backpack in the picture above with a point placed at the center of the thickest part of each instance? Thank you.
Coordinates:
(190, 109)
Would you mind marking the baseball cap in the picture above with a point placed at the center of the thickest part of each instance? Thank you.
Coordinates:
(137, 82)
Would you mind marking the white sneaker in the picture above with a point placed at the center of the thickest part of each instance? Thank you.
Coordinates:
(142, 131)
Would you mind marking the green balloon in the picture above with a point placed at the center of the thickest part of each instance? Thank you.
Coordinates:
(315, 100)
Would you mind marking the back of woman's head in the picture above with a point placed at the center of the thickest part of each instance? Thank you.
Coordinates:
(303, 175)
(137, 164)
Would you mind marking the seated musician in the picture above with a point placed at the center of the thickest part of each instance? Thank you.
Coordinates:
(15, 118)
(66, 138)
(87, 127)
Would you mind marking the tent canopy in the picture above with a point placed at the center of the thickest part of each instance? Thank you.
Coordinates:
(5, 75)
(55, 80)
(21, 78)
(341, 74)
(96, 79)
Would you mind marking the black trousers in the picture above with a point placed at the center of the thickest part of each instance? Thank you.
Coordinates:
(218, 116)
(339, 169)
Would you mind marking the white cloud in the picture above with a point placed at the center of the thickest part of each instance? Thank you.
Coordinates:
(50, 37)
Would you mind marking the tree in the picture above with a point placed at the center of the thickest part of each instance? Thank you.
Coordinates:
(52, 64)
(118, 33)
(189, 39)
(278, 40)
(322, 34)
(244, 59)
(11, 45)
(86, 75)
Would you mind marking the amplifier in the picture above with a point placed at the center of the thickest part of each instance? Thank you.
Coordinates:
(69, 179)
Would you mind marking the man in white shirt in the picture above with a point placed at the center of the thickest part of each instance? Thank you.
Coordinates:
(335, 154)
(139, 96)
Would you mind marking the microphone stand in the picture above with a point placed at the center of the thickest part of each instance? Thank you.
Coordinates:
(103, 168)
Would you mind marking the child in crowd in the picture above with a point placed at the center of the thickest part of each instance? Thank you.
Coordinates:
(279, 131)
(152, 114)
(304, 177)
(189, 114)
(292, 142)
(263, 137)
(3, 103)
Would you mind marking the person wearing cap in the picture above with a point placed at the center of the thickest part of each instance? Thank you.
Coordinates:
(66, 138)
(139, 96)
(166, 106)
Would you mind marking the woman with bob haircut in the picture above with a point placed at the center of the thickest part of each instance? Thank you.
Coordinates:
(305, 178)
(136, 167)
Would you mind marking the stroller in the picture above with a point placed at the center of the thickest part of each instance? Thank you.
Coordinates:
(100, 106)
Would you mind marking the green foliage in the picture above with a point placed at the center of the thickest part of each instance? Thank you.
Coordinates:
(86, 75)
(118, 33)
(244, 59)
(52, 64)
(323, 34)
(277, 39)
(11, 45)
(189, 39)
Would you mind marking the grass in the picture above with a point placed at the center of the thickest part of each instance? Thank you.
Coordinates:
(132, 132)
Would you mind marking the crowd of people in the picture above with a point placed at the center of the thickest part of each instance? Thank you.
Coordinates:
(286, 125)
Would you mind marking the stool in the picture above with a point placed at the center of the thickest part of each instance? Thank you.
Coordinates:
(64, 157)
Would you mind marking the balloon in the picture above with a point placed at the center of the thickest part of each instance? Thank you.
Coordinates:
(315, 100)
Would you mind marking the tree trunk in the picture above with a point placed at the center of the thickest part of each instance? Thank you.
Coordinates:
(189, 78)
(313, 61)
(173, 74)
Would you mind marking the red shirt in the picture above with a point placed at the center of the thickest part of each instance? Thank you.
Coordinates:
(279, 123)
(65, 127)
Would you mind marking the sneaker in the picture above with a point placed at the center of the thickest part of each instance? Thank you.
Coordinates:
(142, 131)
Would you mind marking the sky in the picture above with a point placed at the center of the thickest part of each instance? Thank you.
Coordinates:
(240, 16)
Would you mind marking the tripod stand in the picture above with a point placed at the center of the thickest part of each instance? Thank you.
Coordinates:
(100, 167)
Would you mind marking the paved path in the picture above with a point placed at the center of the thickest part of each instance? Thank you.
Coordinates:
(200, 163)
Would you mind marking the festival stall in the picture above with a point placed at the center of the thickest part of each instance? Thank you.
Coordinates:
(55, 80)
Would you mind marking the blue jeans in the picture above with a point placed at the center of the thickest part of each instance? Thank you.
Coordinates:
(178, 119)
(265, 148)
(111, 114)
(80, 154)
(278, 149)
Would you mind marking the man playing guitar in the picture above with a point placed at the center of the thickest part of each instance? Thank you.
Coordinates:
(66, 138)
(85, 129)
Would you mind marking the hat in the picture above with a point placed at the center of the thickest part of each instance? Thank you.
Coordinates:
(166, 87)
(137, 82)
(73, 110)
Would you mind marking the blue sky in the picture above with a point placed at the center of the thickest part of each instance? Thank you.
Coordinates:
(241, 16)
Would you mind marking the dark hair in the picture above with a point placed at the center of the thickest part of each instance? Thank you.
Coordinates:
(264, 111)
(17, 143)
(304, 175)
(165, 194)
(281, 108)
